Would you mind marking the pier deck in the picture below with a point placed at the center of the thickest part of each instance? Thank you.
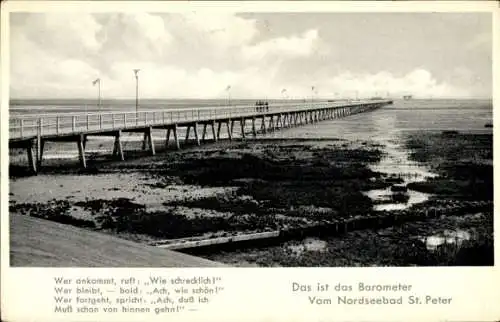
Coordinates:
(31, 132)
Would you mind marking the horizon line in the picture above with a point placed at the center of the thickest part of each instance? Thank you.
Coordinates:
(248, 98)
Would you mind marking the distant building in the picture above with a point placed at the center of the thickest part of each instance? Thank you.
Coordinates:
(407, 97)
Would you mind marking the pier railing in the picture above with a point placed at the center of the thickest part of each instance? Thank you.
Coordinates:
(74, 123)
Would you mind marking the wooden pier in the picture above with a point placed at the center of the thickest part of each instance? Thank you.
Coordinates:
(31, 132)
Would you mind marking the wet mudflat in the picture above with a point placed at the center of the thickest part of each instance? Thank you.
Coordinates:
(213, 191)
(242, 187)
(453, 173)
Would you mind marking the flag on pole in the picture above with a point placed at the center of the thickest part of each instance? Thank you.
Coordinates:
(98, 80)
(228, 87)
(283, 90)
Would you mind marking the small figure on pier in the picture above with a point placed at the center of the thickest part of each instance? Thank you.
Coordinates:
(259, 105)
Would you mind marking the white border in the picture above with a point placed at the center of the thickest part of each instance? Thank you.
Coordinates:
(259, 294)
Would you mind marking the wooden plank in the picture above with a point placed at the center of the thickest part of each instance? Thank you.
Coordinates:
(186, 243)
(37, 242)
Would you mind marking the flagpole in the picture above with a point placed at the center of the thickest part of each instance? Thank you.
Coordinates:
(228, 90)
(99, 94)
(136, 71)
(98, 82)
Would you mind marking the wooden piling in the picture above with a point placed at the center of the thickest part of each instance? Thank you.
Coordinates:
(167, 139)
(118, 149)
(263, 124)
(144, 141)
(40, 147)
(213, 131)
(229, 130)
(204, 132)
(81, 152)
(85, 139)
(177, 145)
(187, 133)
(254, 131)
(149, 134)
(195, 127)
(242, 123)
(31, 157)
(219, 128)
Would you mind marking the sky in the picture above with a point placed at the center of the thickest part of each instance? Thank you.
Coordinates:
(250, 55)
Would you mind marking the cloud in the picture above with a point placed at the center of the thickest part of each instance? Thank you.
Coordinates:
(418, 82)
(482, 41)
(199, 55)
(302, 45)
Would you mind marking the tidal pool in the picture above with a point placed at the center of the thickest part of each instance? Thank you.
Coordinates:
(396, 163)
(456, 237)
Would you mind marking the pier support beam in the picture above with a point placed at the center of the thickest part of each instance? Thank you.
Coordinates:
(213, 131)
(81, 151)
(176, 138)
(204, 132)
(229, 130)
(242, 123)
(148, 141)
(195, 127)
(187, 133)
(167, 138)
(40, 145)
(31, 157)
(219, 126)
(85, 141)
(118, 149)
(254, 131)
(231, 127)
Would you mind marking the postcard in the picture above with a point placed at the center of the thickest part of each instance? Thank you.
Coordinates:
(252, 161)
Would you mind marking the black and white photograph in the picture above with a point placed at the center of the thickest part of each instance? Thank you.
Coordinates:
(250, 139)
